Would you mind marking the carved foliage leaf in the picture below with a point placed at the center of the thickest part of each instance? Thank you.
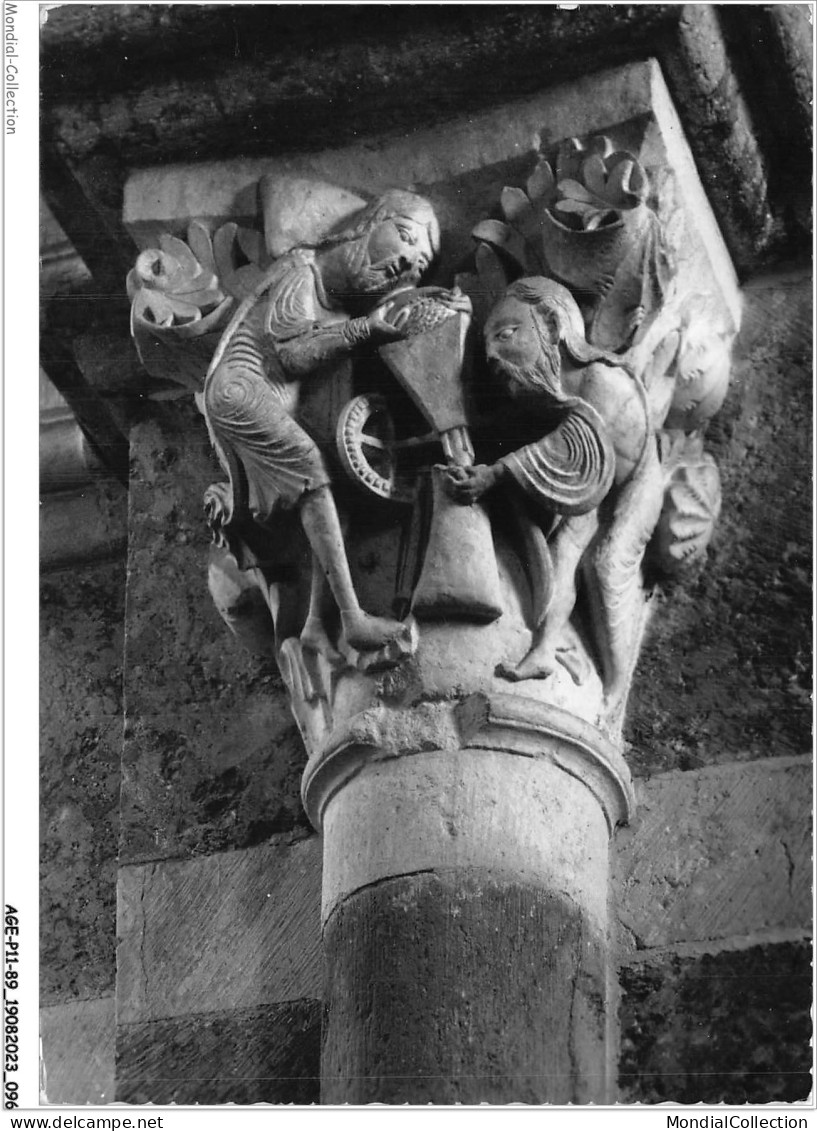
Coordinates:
(585, 221)
(574, 151)
(692, 503)
(176, 283)
(541, 185)
(636, 285)
(182, 294)
(240, 257)
(703, 365)
(503, 238)
(515, 205)
(595, 183)
(492, 275)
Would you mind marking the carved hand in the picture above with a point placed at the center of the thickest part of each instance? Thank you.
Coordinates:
(381, 330)
(456, 300)
(467, 484)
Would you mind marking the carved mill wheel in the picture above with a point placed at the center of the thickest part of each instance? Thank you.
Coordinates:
(368, 449)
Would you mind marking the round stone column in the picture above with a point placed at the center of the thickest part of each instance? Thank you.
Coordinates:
(465, 896)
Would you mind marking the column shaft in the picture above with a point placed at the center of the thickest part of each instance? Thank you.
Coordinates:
(465, 933)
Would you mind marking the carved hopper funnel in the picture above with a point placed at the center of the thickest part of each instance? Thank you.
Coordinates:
(459, 575)
(429, 363)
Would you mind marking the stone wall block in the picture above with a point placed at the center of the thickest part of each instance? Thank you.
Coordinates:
(229, 931)
(725, 672)
(79, 528)
(80, 752)
(717, 853)
(78, 1044)
(250, 1056)
(731, 1028)
(212, 757)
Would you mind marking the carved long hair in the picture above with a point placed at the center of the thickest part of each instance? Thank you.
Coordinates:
(391, 205)
(553, 302)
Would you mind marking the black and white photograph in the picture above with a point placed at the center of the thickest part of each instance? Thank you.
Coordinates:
(425, 559)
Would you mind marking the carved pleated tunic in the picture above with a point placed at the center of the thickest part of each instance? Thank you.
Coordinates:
(571, 469)
(251, 394)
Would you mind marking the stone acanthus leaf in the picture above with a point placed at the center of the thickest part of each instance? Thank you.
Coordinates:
(589, 224)
(692, 504)
(703, 365)
(182, 295)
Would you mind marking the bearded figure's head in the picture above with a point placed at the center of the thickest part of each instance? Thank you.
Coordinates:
(391, 243)
(528, 333)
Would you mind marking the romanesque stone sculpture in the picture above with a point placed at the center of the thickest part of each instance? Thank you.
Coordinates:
(591, 319)
(601, 451)
(587, 221)
(502, 548)
(308, 315)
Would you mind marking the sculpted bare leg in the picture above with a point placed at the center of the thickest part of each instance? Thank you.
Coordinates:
(321, 524)
(614, 573)
(322, 607)
(567, 547)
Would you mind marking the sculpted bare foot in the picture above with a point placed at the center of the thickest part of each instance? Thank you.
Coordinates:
(314, 639)
(576, 664)
(543, 660)
(539, 663)
(368, 634)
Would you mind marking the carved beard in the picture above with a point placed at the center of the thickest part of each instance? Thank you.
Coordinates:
(372, 279)
(542, 378)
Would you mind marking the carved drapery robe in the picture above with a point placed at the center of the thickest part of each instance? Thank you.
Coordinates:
(287, 334)
(571, 469)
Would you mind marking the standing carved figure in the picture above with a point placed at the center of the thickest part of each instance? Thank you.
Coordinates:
(311, 313)
(597, 471)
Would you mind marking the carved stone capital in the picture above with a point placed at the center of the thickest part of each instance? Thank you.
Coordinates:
(455, 501)
(506, 723)
(463, 439)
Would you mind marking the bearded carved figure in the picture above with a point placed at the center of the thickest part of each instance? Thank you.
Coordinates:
(411, 547)
(613, 362)
(295, 337)
(311, 312)
(588, 493)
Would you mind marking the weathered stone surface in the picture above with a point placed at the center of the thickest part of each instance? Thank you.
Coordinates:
(442, 990)
(90, 525)
(725, 673)
(730, 1028)
(462, 167)
(212, 758)
(717, 121)
(231, 931)
(78, 1049)
(67, 461)
(391, 71)
(717, 853)
(111, 366)
(498, 817)
(142, 87)
(727, 678)
(81, 742)
(107, 441)
(265, 1055)
(771, 48)
(61, 269)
